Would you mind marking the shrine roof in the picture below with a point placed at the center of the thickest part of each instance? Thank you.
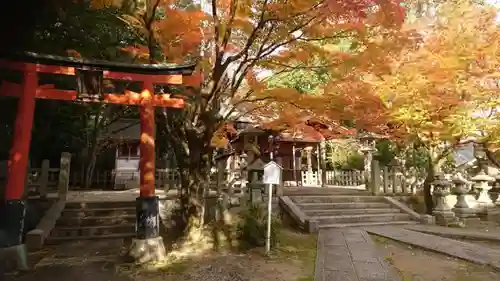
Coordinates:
(152, 69)
(305, 132)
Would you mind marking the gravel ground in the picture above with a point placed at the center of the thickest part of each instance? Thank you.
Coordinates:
(99, 261)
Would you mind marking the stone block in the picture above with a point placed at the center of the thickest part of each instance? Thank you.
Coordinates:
(427, 219)
(444, 218)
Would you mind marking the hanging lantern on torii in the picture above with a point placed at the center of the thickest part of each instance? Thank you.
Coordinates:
(89, 85)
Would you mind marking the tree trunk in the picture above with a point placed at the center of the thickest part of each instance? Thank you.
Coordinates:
(429, 202)
(194, 185)
(89, 171)
(435, 162)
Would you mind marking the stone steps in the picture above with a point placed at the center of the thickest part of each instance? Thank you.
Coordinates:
(336, 212)
(337, 199)
(356, 218)
(58, 240)
(99, 205)
(100, 212)
(94, 220)
(93, 230)
(366, 224)
(337, 206)
(323, 191)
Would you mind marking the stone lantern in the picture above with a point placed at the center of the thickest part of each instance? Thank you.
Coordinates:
(442, 211)
(495, 190)
(395, 168)
(462, 187)
(482, 181)
(368, 141)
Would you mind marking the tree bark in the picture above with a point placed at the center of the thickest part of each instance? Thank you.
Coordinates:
(434, 165)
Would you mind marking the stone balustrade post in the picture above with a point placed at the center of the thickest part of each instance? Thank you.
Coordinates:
(367, 164)
(63, 181)
(375, 177)
(482, 181)
(442, 211)
(461, 209)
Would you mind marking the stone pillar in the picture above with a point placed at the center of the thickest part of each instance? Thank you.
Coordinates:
(461, 209)
(367, 160)
(64, 170)
(374, 183)
(482, 181)
(442, 211)
(322, 156)
(244, 179)
(294, 165)
(318, 158)
(44, 178)
(309, 158)
(255, 188)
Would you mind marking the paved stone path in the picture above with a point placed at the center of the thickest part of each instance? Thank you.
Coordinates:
(349, 254)
(467, 251)
(456, 232)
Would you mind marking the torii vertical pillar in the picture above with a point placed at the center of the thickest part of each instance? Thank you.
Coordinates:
(13, 213)
(148, 244)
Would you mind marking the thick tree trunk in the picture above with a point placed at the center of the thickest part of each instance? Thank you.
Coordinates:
(89, 172)
(195, 180)
(429, 202)
(435, 162)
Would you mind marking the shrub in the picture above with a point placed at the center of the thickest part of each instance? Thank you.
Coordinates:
(417, 202)
(253, 227)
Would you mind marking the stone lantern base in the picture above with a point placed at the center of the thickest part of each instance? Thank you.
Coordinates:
(467, 216)
(493, 214)
(444, 217)
(488, 213)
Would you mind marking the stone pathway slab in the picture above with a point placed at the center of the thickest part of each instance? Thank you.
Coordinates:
(456, 232)
(350, 255)
(463, 250)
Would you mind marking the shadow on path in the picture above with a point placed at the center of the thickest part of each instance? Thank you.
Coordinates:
(76, 261)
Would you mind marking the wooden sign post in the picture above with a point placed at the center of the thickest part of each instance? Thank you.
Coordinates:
(272, 175)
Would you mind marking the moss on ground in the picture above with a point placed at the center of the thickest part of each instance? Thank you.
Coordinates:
(301, 247)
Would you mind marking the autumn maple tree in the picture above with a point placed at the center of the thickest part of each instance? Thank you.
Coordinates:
(236, 43)
(435, 95)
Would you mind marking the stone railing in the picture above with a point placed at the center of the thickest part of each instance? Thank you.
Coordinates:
(344, 177)
(44, 180)
(389, 180)
(36, 237)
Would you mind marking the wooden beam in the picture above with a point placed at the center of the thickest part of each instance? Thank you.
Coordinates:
(157, 79)
(8, 89)
(55, 69)
(42, 68)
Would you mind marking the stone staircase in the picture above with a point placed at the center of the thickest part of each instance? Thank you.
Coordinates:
(341, 209)
(94, 220)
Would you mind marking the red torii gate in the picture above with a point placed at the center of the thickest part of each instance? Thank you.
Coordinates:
(89, 75)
